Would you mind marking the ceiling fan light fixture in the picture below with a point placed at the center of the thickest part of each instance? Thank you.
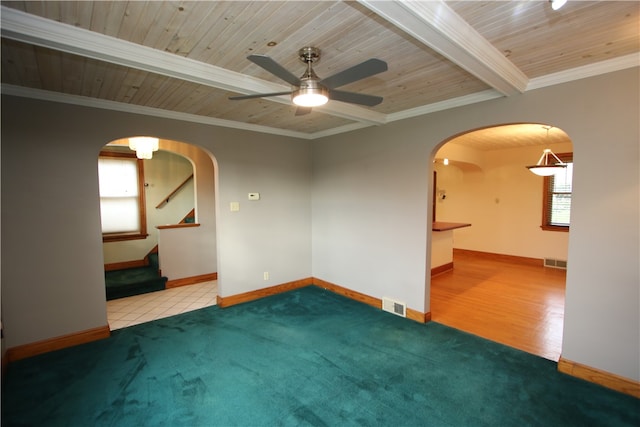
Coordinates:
(309, 90)
(310, 97)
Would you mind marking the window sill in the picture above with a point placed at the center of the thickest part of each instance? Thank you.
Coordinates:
(555, 228)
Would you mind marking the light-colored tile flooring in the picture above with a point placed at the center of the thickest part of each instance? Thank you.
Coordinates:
(137, 309)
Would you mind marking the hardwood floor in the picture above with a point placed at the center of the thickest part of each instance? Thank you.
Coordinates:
(514, 303)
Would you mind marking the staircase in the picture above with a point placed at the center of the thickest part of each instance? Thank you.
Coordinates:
(134, 281)
(141, 280)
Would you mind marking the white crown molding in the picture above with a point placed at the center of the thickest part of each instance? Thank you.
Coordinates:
(473, 98)
(437, 26)
(27, 28)
(599, 68)
(338, 130)
(84, 101)
(352, 112)
(602, 67)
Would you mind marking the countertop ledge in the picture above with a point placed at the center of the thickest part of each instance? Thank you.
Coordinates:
(446, 226)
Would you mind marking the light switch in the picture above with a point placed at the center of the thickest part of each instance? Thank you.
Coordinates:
(253, 196)
(234, 206)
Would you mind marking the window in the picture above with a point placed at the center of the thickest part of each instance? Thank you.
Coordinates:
(556, 200)
(122, 204)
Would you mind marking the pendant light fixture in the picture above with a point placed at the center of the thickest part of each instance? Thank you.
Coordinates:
(544, 168)
(144, 146)
(549, 164)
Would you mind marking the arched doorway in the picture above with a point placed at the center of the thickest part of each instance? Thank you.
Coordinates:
(499, 287)
(179, 188)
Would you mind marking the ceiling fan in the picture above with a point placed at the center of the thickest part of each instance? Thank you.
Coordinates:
(310, 90)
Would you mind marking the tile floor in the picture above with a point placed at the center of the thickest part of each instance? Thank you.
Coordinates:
(137, 309)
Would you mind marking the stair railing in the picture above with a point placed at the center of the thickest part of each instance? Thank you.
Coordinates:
(170, 195)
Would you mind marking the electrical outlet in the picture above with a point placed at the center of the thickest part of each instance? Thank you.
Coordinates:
(265, 275)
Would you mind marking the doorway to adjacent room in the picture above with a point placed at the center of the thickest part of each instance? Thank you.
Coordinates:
(499, 287)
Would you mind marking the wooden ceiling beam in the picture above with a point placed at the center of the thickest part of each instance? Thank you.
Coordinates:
(27, 28)
(437, 26)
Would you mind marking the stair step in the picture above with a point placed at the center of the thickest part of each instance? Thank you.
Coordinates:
(154, 260)
(133, 281)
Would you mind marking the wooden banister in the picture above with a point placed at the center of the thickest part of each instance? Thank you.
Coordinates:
(170, 195)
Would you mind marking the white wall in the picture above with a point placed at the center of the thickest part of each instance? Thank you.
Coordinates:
(370, 209)
(272, 234)
(163, 174)
(501, 199)
(52, 264)
(371, 205)
(181, 253)
(202, 246)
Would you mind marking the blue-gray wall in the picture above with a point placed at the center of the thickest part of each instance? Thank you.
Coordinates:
(351, 209)
(372, 204)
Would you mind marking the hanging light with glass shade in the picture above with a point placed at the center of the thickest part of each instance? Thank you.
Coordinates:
(144, 146)
(549, 164)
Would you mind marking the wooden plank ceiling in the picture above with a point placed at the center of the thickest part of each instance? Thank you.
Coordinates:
(184, 59)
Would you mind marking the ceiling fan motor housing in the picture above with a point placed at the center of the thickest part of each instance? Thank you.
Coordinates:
(309, 54)
(310, 93)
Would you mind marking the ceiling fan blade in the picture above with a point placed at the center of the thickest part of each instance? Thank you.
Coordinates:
(274, 68)
(301, 111)
(355, 98)
(258, 95)
(357, 72)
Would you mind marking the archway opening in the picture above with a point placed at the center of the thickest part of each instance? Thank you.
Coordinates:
(172, 267)
(506, 273)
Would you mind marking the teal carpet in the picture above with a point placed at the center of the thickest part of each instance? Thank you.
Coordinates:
(303, 358)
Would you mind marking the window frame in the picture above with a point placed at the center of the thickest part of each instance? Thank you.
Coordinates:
(547, 191)
(142, 206)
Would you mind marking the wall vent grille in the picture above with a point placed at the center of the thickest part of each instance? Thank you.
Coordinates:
(396, 307)
(555, 263)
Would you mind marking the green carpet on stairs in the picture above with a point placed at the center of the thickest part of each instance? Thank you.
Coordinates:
(133, 281)
(303, 358)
